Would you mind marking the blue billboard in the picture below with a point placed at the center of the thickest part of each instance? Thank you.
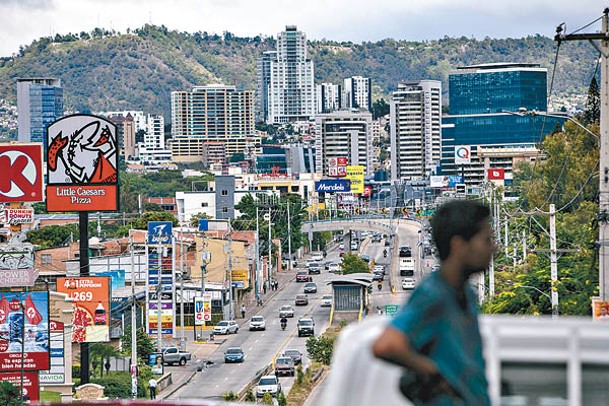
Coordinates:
(333, 185)
(159, 232)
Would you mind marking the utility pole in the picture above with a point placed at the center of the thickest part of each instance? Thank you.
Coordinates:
(553, 262)
(505, 239)
(133, 326)
(230, 272)
(603, 203)
(290, 237)
(257, 247)
(182, 284)
(524, 245)
(271, 248)
(159, 336)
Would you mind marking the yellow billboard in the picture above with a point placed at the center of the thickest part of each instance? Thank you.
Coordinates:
(356, 174)
(240, 275)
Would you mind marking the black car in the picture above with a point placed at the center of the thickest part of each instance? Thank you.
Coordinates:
(296, 355)
(405, 251)
(310, 287)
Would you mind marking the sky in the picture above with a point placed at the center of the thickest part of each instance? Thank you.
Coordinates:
(22, 21)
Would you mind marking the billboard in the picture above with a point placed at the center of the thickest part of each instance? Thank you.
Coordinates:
(463, 154)
(17, 265)
(333, 185)
(337, 167)
(91, 300)
(17, 309)
(18, 215)
(444, 181)
(203, 309)
(57, 372)
(31, 387)
(82, 164)
(159, 232)
(160, 271)
(355, 174)
(21, 169)
(495, 174)
(600, 310)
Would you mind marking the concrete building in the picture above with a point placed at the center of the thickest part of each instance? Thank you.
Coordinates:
(415, 117)
(39, 104)
(357, 93)
(329, 97)
(125, 126)
(291, 88)
(263, 82)
(214, 113)
(343, 134)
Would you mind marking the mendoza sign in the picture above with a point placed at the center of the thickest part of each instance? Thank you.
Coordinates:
(333, 186)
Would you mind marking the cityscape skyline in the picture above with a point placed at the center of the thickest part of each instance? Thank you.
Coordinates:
(25, 21)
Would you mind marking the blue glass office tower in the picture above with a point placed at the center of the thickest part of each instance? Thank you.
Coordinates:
(481, 98)
(39, 104)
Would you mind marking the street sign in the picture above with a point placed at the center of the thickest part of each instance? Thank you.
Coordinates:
(391, 310)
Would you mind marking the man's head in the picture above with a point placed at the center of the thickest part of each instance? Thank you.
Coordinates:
(603, 311)
(461, 231)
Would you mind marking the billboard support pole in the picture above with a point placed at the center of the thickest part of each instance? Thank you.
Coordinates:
(159, 337)
(21, 392)
(83, 227)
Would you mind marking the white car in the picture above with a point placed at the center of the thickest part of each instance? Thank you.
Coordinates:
(268, 384)
(379, 268)
(333, 268)
(408, 283)
(257, 323)
(317, 256)
(326, 300)
(226, 327)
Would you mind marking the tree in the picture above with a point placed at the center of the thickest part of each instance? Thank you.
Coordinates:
(320, 349)
(194, 219)
(141, 223)
(100, 354)
(379, 109)
(230, 396)
(352, 263)
(53, 236)
(9, 394)
(592, 112)
(145, 345)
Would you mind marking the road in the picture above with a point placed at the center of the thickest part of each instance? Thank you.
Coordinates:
(260, 347)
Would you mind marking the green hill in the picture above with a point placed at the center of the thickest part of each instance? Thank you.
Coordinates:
(105, 70)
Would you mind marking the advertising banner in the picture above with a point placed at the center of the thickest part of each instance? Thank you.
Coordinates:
(117, 278)
(160, 272)
(17, 308)
(337, 167)
(57, 372)
(445, 181)
(31, 387)
(91, 301)
(240, 275)
(600, 310)
(21, 169)
(367, 191)
(495, 174)
(356, 175)
(19, 216)
(82, 164)
(207, 307)
(17, 265)
(199, 313)
(463, 154)
(333, 185)
(159, 232)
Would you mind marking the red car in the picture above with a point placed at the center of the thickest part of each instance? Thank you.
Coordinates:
(303, 276)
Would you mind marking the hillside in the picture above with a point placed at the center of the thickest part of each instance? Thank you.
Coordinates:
(138, 70)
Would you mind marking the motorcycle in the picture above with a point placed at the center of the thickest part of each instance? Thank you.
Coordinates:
(385, 254)
(283, 325)
(380, 285)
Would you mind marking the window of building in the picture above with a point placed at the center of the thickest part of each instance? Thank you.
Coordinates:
(533, 383)
(204, 204)
(225, 210)
(46, 259)
(224, 192)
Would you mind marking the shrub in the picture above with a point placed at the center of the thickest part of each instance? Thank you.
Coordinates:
(230, 396)
(267, 399)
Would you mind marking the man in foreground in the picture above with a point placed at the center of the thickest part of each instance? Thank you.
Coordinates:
(436, 335)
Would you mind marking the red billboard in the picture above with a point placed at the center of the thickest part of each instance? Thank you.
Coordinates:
(496, 174)
(31, 387)
(82, 164)
(21, 169)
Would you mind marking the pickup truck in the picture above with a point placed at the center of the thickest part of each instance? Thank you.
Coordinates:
(173, 355)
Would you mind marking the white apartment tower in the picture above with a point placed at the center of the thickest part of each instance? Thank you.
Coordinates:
(415, 121)
(291, 88)
(343, 134)
(328, 97)
(155, 132)
(357, 93)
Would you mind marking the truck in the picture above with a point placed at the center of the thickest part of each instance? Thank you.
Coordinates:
(406, 266)
(173, 355)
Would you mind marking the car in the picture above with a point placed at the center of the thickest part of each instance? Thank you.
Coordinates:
(310, 287)
(408, 283)
(306, 326)
(301, 300)
(341, 246)
(365, 258)
(334, 267)
(317, 256)
(376, 238)
(378, 276)
(172, 355)
(286, 311)
(379, 268)
(303, 276)
(311, 263)
(233, 354)
(284, 366)
(327, 265)
(268, 384)
(354, 246)
(295, 354)
(387, 243)
(226, 327)
(405, 251)
(314, 270)
(257, 323)
(326, 300)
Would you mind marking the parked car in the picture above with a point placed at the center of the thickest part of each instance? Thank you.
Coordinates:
(268, 384)
(408, 283)
(326, 300)
(306, 326)
(284, 366)
(317, 256)
(286, 311)
(234, 354)
(310, 287)
(226, 327)
(295, 354)
(301, 300)
(173, 355)
(257, 323)
(303, 276)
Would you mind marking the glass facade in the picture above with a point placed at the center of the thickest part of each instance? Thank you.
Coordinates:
(484, 92)
(46, 106)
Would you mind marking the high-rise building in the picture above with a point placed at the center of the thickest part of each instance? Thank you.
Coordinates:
(415, 117)
(39, 104)
(290, 94)
(125, 126)
(343, 134)
(263, 82)
(214, 113)
(329, 97)
(481, 98)
(357, 93)
(155, 132)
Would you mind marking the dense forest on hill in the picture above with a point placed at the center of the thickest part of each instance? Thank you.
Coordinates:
(103, 70)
